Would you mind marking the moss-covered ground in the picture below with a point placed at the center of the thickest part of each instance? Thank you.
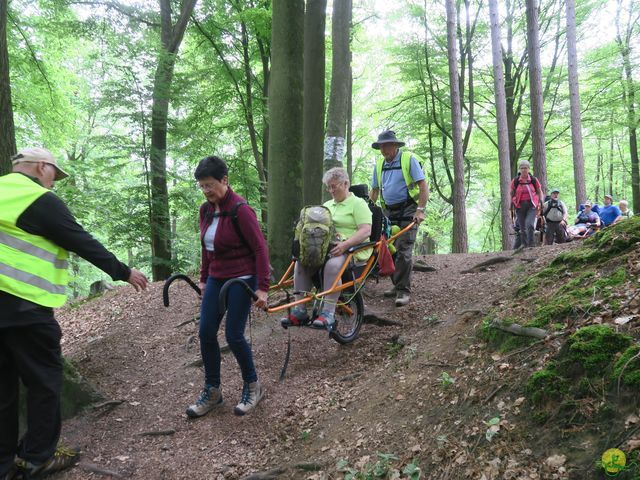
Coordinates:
(587, 383)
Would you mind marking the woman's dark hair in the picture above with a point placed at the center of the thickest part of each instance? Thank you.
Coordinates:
(211, 167)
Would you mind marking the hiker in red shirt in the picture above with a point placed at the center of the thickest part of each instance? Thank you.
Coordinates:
(232, 247)
(526, 194)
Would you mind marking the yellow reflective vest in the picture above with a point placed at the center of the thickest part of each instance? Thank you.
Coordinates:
(405, 166)
(31, 267)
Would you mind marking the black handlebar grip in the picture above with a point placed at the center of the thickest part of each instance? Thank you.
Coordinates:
(222, 298)
(173, 278)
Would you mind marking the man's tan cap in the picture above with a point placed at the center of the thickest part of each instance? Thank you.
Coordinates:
(37, 154)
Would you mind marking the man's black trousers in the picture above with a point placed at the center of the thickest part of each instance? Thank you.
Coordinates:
(32, 354)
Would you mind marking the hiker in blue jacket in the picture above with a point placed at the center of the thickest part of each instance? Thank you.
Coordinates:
(610, 213)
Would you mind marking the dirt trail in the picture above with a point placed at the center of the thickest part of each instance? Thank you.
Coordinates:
(376, 395)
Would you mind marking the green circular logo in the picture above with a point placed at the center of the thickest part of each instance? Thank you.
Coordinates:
(614, 460)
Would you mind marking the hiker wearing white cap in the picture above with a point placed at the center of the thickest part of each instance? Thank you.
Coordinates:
(37, 231)
(625, 213)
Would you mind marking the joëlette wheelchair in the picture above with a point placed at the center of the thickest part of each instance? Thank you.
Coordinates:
(349, 314)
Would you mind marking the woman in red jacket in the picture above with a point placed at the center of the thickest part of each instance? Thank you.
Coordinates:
(232, 247)
(526, 196)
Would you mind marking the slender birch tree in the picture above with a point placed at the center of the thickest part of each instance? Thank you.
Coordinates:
(334, 147)
(574, 97)
(623, 39)
(171, 37)
(536, 95)
(459, 210)
(501, 121)
(7, 129)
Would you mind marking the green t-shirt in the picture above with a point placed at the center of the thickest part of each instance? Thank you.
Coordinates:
(347, 215)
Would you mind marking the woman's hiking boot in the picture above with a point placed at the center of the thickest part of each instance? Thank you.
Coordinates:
(62, 459)
(252, 393)
(402, 299)
(325, 320)
(210, 398)
(297, 318)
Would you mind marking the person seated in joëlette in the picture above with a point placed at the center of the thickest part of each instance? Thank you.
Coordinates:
(352, 220)
(587, 222)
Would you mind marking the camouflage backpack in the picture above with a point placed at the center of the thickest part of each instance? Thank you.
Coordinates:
(314, 234)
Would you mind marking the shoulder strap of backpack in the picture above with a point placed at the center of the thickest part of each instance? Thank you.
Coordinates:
(516, 182)
(233, 213)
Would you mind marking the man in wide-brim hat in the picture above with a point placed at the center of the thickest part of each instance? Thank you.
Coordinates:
(400, 184)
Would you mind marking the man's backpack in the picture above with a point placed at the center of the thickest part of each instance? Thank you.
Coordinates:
(314, 234)
(554, 211)
(380, 225)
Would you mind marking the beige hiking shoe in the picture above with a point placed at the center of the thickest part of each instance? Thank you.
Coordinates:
(62, 459)
(252, 393)
(210, 398)
(402, 299)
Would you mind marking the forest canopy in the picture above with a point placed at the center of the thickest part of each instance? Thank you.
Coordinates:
(130, 95)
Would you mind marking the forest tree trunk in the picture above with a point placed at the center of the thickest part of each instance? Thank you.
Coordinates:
(7, 129)
(349, 165)
(501, 120)
(574, 96)
(334, 146)
(459, 210)
(285, 128)
(171, 37)
(535, 89)
(313, 120)
(624, 45)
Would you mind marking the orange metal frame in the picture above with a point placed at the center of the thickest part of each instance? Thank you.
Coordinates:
(287, 278)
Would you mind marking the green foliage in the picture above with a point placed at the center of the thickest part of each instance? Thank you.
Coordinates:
(446, 380)
(594, 347)
(394, 347)
(546, 385)
(560, 307)
(627, 367)
(386, 467)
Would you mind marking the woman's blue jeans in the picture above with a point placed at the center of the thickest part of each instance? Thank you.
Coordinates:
(238, 306)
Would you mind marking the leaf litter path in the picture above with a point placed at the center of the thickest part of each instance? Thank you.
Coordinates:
(382, 394)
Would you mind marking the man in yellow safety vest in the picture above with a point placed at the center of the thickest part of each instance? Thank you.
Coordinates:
(400, 184)
(37, 231)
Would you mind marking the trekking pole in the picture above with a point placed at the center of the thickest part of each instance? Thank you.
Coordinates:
(285, 365)
(173, 278)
